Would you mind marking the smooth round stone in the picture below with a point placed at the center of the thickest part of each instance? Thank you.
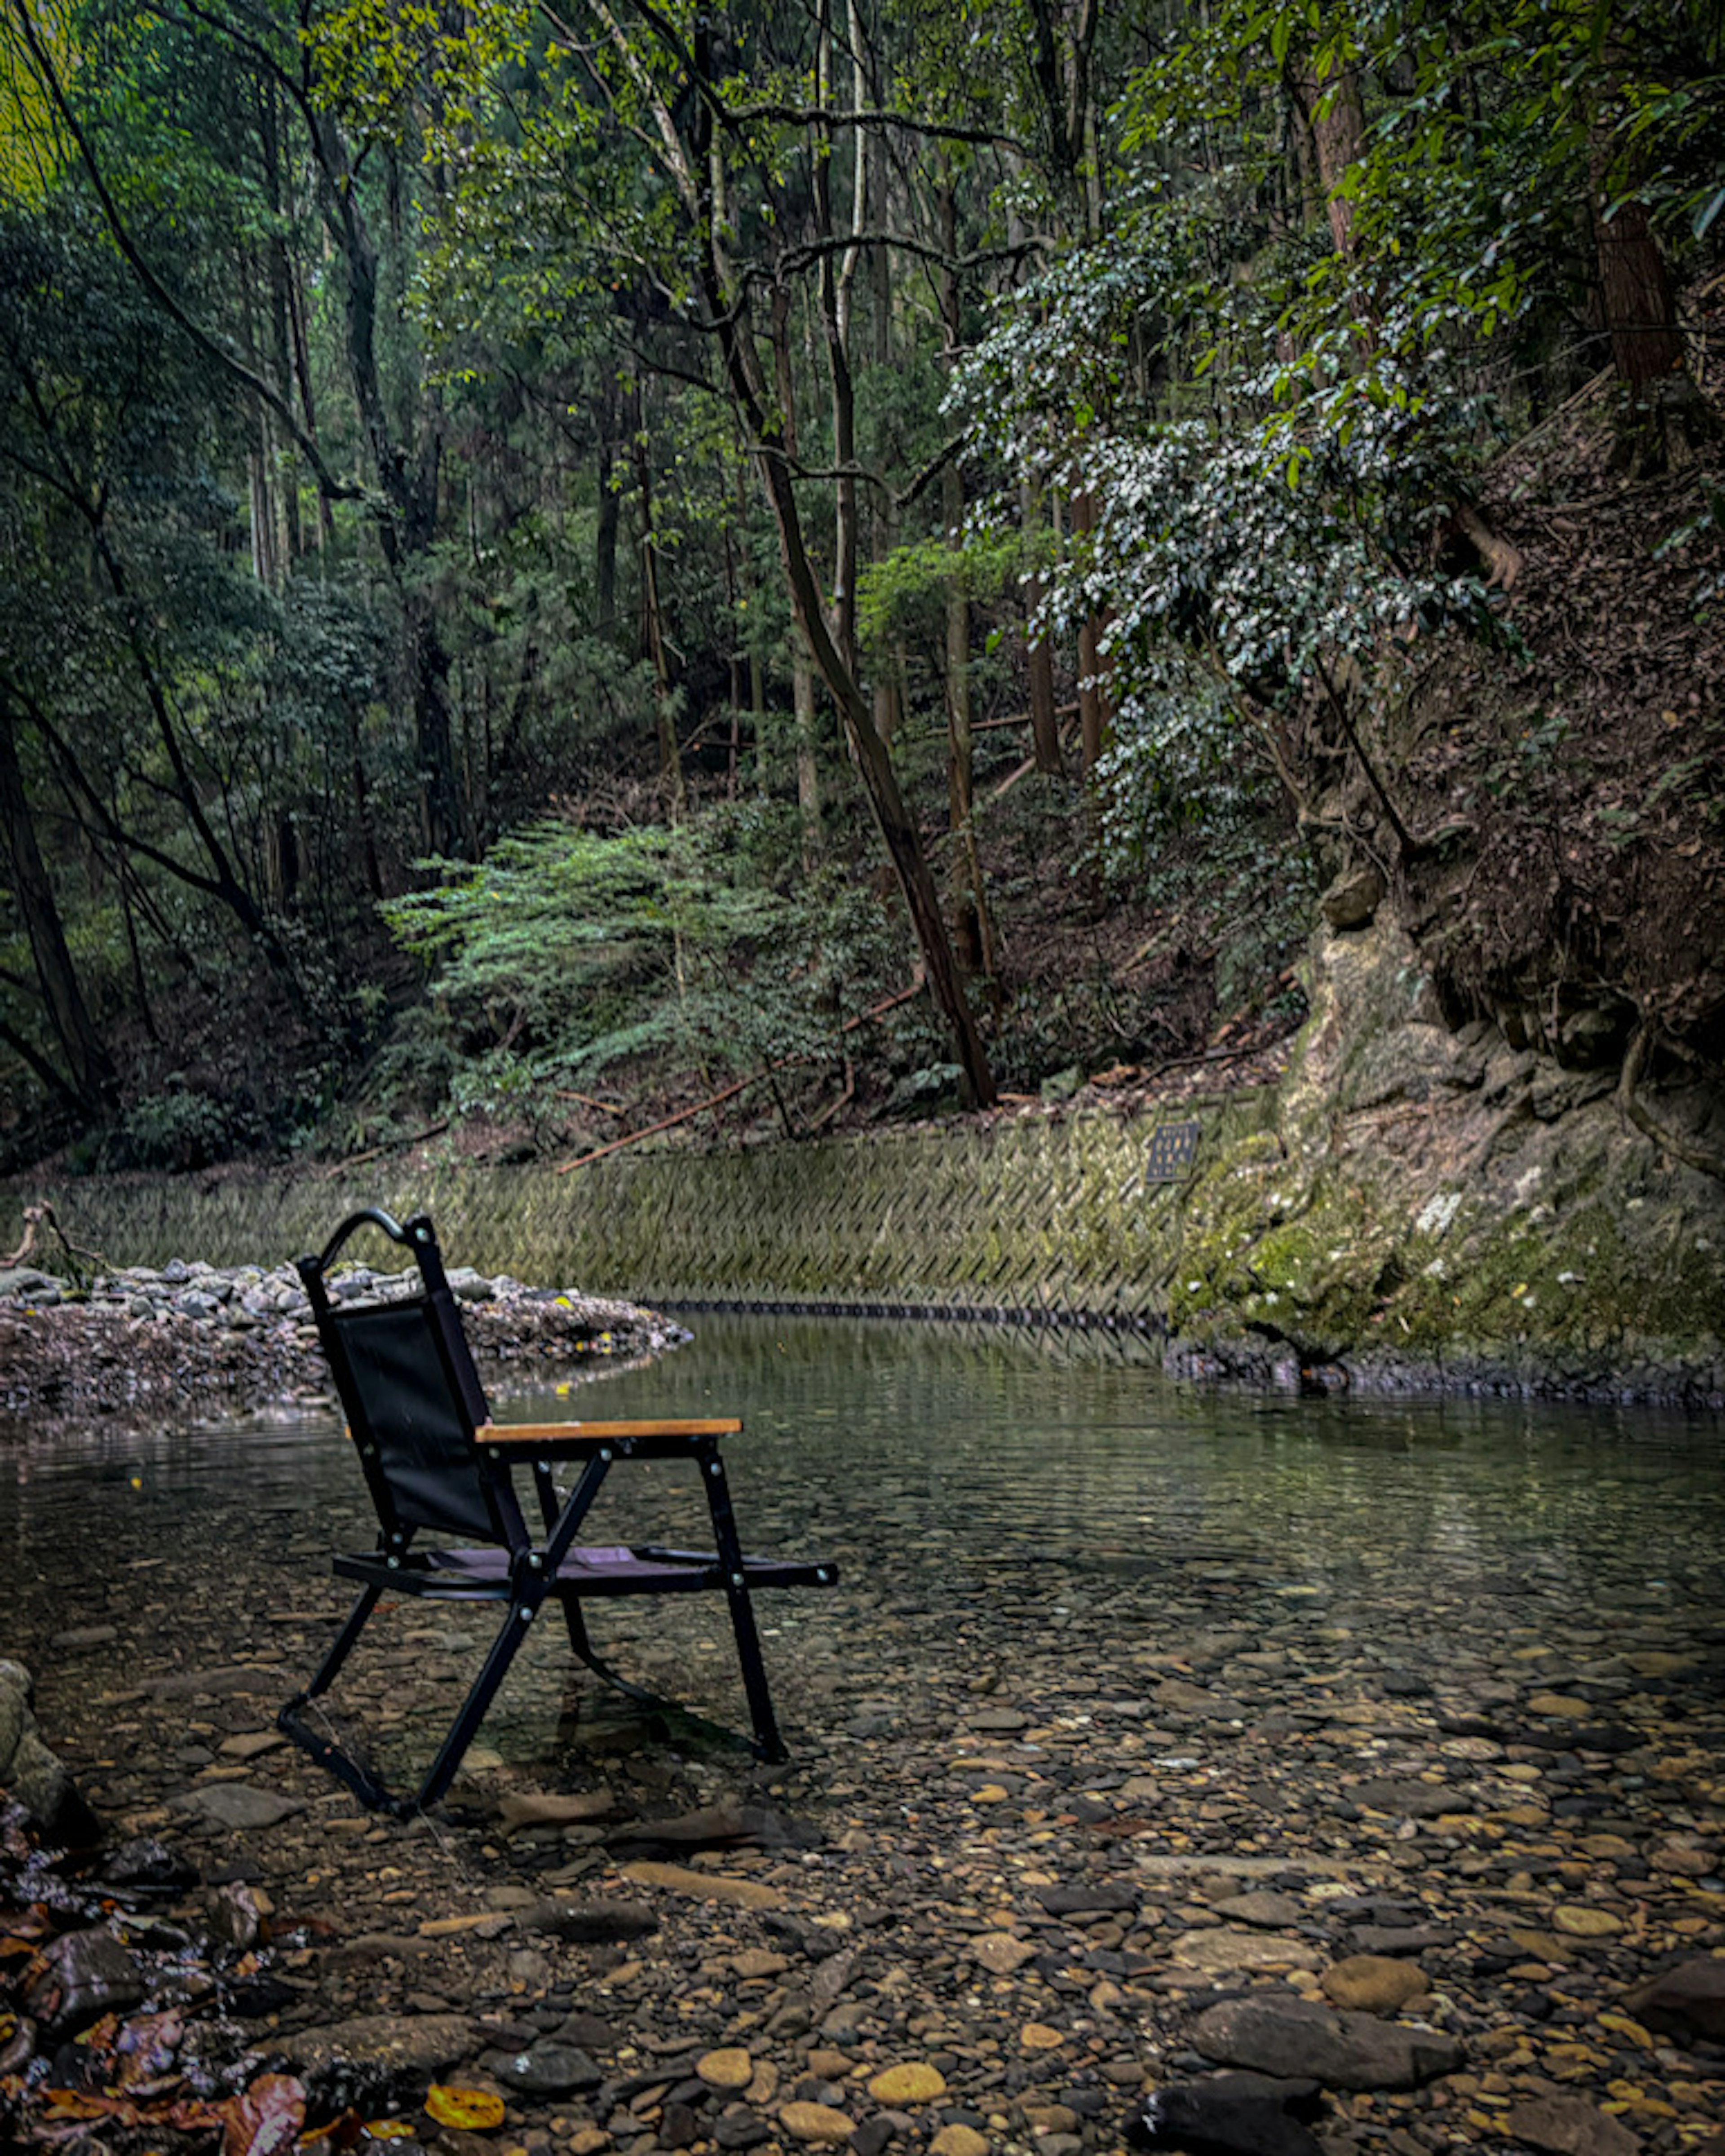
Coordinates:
(958, 2141)
(816, 2122)
(729, 2068)
(1037, 2036)
(1373, 1983)
(908, 2084)
(1582, 1923)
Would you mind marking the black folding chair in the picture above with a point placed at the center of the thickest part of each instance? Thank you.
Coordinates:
(435, 1462)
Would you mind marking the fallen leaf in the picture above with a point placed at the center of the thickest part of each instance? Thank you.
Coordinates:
(474, 2110)
(266, 2119)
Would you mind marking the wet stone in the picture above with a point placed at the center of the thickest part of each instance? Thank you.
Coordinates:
(84, 1975)
(1230, 2114)
(1292, 2038)
(238, 1807)
(544, 2070)
(1273, 1912)
(1569, 2125)
(1683, 2001)
(743, 2131)
(1373, 1983)
(816, 2123)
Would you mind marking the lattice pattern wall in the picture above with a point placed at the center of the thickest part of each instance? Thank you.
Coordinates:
(1038, 1216)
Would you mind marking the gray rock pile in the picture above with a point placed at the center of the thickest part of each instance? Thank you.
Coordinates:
(139, 1335)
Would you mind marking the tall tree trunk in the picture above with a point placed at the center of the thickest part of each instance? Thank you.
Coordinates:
(803, 706)
(672, 788)
(1038, 658)
(888, 686)
(1639, 305)
(604, 574)
(92, 1066)
(281, 363)
(838, 275)
(1094, 712)
(1338, 129)
(976, 933)
(362, 809)
(805, 719)
(701, 179)
(407, 483)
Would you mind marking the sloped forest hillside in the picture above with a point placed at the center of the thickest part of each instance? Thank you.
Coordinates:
(565, 566)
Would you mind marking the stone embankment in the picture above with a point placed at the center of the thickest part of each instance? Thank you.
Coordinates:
(138, 1336)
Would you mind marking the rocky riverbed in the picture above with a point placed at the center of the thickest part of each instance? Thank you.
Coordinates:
(139, 1336)
(1061, 1848)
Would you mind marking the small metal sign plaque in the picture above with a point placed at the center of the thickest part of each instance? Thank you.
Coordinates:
(1173, 1148)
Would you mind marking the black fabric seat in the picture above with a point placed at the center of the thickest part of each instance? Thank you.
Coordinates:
(435, 1463)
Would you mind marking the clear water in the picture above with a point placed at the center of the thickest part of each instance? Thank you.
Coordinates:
(945, 1468)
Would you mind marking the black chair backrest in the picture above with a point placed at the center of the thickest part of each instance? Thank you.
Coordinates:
(413, 1397)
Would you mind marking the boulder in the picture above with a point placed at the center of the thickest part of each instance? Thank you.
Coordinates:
(30, 1774)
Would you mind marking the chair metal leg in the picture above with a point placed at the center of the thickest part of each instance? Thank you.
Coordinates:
(767, 1743)
(451, 1753)
(328, 1754)
(345, 1638)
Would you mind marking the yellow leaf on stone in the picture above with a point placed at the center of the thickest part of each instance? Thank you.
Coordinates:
(389, 2129)
(474, 2110)
(908, 2084)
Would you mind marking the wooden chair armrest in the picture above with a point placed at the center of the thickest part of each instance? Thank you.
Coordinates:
(603, 1433)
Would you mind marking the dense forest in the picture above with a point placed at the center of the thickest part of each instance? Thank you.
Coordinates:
(557, 558)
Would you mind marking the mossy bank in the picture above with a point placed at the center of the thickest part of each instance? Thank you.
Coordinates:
(1437, 1209)
(1409, 1208)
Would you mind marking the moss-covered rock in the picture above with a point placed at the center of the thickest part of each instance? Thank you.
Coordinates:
(1443, 1208)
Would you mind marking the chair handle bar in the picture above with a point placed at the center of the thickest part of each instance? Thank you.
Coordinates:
(417, 1235)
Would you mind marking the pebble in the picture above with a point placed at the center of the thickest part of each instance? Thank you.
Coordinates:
(908, 2084)
(1373, 1983)
(816, 2122)
(731, 2069)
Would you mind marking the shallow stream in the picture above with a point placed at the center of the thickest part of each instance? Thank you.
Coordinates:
(984, 1492)
(1130, 1697)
